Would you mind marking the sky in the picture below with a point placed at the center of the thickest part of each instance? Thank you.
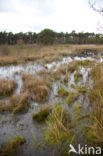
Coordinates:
(58, 15)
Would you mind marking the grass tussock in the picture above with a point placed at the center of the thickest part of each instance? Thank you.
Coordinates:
(78, 110)
(62, 92)
(78, 76)
(7, 87)
(97, 90)
(39, 89)
(61, 69)
(43, 113)
(74, 65)
(58, 124)
(60, 72)
(17, 103)
(95, 131)
(13, 146)
(72, 97)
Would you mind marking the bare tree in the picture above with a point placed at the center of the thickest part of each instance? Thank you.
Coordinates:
(97, 5)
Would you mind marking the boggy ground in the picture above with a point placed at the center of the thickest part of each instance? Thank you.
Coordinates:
(45, 106)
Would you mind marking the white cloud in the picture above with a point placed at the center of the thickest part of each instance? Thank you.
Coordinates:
(59, 15)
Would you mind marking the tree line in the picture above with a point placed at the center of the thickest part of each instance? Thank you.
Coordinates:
(47, 37)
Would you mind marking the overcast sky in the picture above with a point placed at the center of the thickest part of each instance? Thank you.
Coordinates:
(59, 15)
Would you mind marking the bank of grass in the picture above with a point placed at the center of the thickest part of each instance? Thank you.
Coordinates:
(42, 114)
(7, 87)
(38, 88)
(13, 146)
(17, 103)
(16, 54)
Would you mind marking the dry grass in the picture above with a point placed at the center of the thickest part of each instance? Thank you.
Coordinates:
(43, 113)
(7, 87)
(39, 89)
(23, 53)
(17, 103)
(72, 66)
(61, 69)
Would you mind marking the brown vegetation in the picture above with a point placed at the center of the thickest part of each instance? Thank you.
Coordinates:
(17, 103)
(7, 87)
(39, 89)
(19, 53)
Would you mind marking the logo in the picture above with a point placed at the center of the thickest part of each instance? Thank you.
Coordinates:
(85, 150)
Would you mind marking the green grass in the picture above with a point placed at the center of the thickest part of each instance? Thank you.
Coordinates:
(58, 131)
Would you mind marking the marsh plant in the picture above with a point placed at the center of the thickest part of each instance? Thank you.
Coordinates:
(58, 132)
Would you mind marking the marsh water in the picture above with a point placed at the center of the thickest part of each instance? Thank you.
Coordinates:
(23, 125)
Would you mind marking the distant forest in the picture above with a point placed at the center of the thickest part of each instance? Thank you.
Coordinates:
(47, 37)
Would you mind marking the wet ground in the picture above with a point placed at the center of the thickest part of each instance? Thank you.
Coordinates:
(23, 125)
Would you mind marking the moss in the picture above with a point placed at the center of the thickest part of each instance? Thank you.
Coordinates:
(7, 87)
(17, 103)
(78, 110)
(58, 130)
(43, 113)
(62, 92)
(13, 146)
(78, 77)
(72, 97)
